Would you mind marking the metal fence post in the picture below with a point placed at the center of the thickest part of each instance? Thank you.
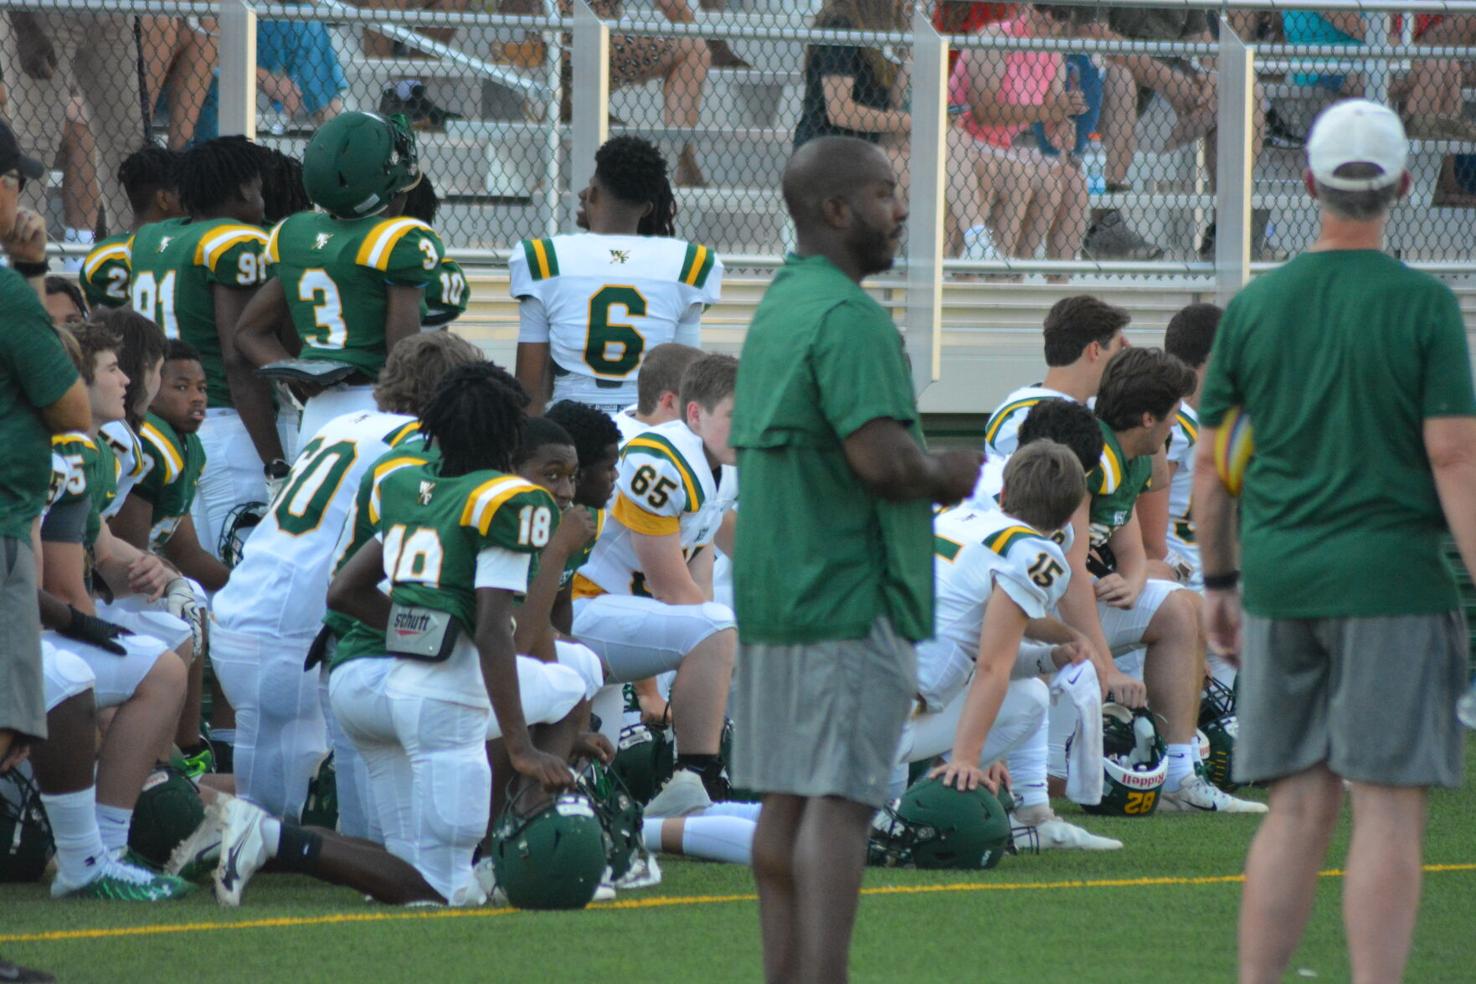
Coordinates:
(591, 95)
(925, 204)
(237, 69)
(1235, 165)
(553, 47)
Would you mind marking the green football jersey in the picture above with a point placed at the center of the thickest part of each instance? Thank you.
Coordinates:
(175, 265)
(91, 474)
(446, 295)
(172, 468)
(105, 272)
(336, 274)
(1115, 485)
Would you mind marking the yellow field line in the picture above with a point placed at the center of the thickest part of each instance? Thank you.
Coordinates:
(399, 915)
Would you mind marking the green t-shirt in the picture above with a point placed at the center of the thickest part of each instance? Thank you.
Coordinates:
(104, 274)
(175, 266)
(1338, 358)
(336, 274)
(35, 372)
(818, 556)
(1115, 485)
(173, 465)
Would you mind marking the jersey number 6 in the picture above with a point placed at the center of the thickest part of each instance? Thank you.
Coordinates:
(604, 333)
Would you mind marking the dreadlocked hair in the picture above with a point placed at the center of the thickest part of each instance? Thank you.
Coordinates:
(633, 170)
(212, 173)
(145, 172)
(592, 430)
(281, 184)
(475, 421)
(143, 346)
(421, 202)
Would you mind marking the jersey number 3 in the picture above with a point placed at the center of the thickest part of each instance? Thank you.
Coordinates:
(613, 348)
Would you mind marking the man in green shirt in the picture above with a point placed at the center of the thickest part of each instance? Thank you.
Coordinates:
(1355, 373)
(833, 567)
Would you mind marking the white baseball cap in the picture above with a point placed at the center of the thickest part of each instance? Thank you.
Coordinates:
(1357, 131)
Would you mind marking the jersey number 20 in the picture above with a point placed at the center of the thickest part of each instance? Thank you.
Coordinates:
(605, 335)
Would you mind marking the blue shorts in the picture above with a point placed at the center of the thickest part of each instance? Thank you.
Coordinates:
(301, 50)
(1091, 81)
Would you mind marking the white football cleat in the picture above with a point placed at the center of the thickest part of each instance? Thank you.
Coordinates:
(243, 848)
(682, 794)
(1198, 795)
(644, 872)
(1039, 829)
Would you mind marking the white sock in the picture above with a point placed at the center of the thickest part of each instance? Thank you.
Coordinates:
(1027, 765)
(112, 824)
(80, 854)
(733, 808)
(1181, 761)
(271, 834)
(223, 736)
(711, 838)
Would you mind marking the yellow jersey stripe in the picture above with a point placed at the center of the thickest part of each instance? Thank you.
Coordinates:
(95, 259)
(1111, 471)
(406, 431)
(1004, 413)
(1191, 428)
(272, 253)
(698, 259)
(72, 437)
(381, 472)
(173, 463)
(540, 253)
(638, 520)
(583, 587)
(380, 243)
(1001, 541)
(490, 501)
(211, 246)
(665, 450)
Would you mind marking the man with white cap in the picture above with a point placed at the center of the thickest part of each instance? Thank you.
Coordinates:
(1354, 372)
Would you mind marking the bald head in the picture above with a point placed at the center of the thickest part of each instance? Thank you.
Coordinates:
(827, 168)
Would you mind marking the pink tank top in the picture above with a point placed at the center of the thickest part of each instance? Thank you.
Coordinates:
(1028, 75)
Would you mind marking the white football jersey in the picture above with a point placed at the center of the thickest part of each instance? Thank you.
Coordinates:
(628, 424)
(280, 587)
(975, 550)
(1001, 434)
(130, 461)
(606, 300)
(1182, 440)
(665, 486)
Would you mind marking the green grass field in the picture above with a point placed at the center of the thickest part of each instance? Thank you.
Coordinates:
(1162, 909)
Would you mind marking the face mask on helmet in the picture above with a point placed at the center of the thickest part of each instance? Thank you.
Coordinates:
(644, 759)
(239, 523)
(1133, 760)
(937, 826)
(619, 814)
(1218, 724)
(551, 858)
(26, 844)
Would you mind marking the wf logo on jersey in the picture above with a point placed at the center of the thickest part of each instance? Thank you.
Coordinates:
(619, 256)
(322, 240)
(164, 242)
(427, 489)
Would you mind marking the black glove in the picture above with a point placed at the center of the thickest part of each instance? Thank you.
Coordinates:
(95, 631)
(318, 651)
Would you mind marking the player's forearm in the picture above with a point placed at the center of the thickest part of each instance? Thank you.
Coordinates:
(253, 398)
(354, 590)
(63, 566)
(531, 369)
(1078, 609)
(981, 706)
(499, 664)
(1052, 631)
(534, 631)
(1456, 485)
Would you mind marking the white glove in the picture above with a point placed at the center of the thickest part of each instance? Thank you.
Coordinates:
(180, 597)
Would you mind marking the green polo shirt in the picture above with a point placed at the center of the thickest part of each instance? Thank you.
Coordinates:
(819, 557)
(35, 372)
(1338, 358)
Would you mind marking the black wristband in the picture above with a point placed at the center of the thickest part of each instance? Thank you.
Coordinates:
(1221, 582)
(28, 270)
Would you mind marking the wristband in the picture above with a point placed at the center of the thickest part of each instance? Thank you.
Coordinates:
(28, 270)
(1221, 582)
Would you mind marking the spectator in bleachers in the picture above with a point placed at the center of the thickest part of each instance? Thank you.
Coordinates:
(1431, 92)
(297, 70)
(681, 63)
(179, 56)
(1040, 199)
(62, 55)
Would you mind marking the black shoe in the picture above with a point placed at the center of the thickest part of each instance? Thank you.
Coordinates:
(28, 975)
(1280, 134)
(417, 107)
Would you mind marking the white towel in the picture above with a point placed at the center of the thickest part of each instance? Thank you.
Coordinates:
(1078, 684)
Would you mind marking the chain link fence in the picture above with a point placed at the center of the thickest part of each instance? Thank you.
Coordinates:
(1075, 136)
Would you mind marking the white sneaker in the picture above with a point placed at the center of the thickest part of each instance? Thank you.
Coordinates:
(243, 848)
(644, 873)
(1198, 795)
(1041, 830)
(605, 892)
(682, 794)
(195, 857)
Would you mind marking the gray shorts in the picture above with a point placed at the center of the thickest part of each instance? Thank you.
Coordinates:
(823, 718)
(1374, 698)
(22, 704)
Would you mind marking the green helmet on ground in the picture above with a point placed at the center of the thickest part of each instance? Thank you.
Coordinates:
(25, 833)
(358, 162)
(937, 826)
(168, 810)
(1134, 760)
(551, 858)
(619, 814)
(1220, 726)
(645, 758)
(320, 809)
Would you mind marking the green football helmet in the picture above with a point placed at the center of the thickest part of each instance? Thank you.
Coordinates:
(937, 826)
(645, 758)
(358, 162)
(1135, 761)
(168, 810)
(1220, 727)
(320, 809)
(551, 858)
(25, 833)
(619, 814)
